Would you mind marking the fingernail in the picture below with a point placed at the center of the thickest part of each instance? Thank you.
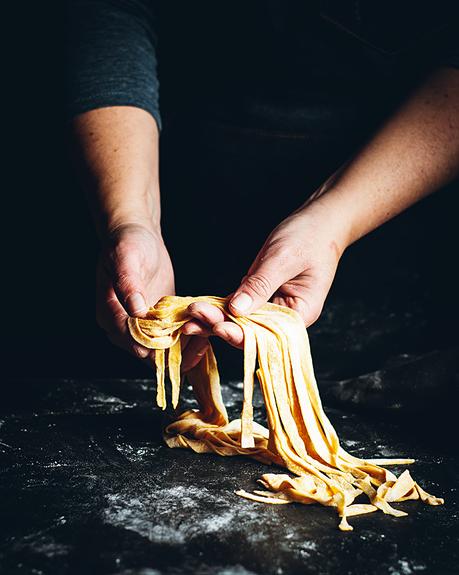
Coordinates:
(136, 303)
(242, 302)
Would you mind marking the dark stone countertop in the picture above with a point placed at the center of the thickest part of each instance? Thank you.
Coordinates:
(88, 487)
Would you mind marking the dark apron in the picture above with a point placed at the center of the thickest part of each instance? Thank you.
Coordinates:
(239, 161)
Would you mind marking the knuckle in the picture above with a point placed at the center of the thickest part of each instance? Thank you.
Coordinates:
(285, 257)
(281, 252)
(292, 257)
(260, 284)
(123, 281)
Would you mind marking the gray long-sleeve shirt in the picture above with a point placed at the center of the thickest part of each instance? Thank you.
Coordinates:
(218, 57)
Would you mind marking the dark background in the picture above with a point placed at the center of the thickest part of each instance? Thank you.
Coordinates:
(86, 484)
(395, 292)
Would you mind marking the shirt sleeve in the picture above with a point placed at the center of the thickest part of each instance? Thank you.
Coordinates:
(111, 56)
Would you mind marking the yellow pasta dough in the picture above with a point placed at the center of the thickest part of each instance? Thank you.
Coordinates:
(299, 437)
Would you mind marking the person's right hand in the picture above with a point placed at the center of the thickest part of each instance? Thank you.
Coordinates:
(134, 272)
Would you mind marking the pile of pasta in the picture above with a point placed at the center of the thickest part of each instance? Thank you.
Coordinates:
(299, 437)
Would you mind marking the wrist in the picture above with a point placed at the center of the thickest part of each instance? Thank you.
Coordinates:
(330, 220)
(126, 221)
(119, 232)
(141, 211)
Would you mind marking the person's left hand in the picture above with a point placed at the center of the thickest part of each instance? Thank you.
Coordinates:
(295, 268)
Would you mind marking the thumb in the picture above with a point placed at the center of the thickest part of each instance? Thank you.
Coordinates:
(129, 289)
(265, 276)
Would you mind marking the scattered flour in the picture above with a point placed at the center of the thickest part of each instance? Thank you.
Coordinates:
(405, 567)
(350, 442)
(385, 451)
(51, 549)
(308, 545)
(235, 570)
(143, 571)
(304, 548)
(178, 514)
(137, 454)
(114, 404)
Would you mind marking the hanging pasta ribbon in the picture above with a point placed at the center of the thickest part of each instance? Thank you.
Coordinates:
(299, 437)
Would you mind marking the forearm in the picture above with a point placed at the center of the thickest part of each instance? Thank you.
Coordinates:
(415, 153)
(117, 151)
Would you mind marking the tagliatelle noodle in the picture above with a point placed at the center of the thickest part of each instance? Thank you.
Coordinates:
(299, 437)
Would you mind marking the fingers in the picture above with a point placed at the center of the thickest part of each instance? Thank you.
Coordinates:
(129, 289)
(274, 266)
(309, 308)
(117, 332)
(125, 264)
(112, 317)
(206, 313)
(134, 302)
(149, 360)
(209, 320)
(135, 267)
(194, 327)
(230, 332)
(194, 352)
(133, 348)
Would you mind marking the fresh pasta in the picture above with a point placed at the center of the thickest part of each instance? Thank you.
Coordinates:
(299, 438)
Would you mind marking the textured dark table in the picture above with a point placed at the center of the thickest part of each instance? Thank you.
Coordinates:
(88, 487)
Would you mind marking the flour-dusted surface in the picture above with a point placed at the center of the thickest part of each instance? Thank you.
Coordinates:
(86, 486)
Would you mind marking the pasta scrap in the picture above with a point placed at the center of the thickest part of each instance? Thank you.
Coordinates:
(299, 437)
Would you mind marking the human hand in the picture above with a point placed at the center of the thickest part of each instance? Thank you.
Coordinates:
(295, 268)
(134, 272)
